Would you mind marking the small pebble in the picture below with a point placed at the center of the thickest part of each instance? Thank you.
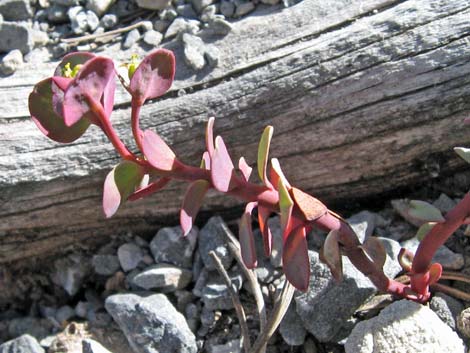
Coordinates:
(227, 8)
(11, 62)
(220, 26)
(129, 256)
(244, 8)
(131, 38)
(153, 38)
(463, 323)
(109, 21)
(153, 4)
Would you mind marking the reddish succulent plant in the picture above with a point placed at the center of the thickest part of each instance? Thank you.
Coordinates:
(64, 105)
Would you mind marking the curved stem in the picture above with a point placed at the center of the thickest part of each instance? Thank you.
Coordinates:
(109, 131)
(436, 237)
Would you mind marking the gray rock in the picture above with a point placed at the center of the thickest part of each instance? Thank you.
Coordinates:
(168, 14)
(57, 14)
(186, 10)
(151, 324)
(70, 272)
(201, 4)
(270, 2)
(212, 237)
(36, 327)
(170, 246)
(64, 314)
(11, 62)
(92, 20)
(212, 54)
(16, 36)
(364, 223)
(444, 203)
(463, 323)
(22, 344)
(153, 4)
(291, 328)
(16, 10)
(216, 295)
(82, 308)
(209, 318)
(276, 251)
(164, 277)
(131, 38)
(106, 265)
(233, 346)
(404, 326)
(227, 8)
(99, 7)
(109, 21)
(91, 346)
(201, 282)
(161, 25)
(243, 8)
(194, 49)
(40, 38)
(129, 254)
(180, 26)
(66, 2)
(78, 19)
(446, 257)
(332, 304)
(446, 307)
(220, 26)
(208, 13)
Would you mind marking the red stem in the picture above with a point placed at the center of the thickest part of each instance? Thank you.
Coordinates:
(109, 131)
(136, 131)
(436, 237)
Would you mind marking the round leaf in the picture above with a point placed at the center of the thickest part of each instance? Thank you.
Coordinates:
(41, 108)
(154, 76)
(119, 184)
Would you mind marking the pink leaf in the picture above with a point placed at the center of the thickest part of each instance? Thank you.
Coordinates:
(244, 168)
(47, 119)
(263, 215)
(192, 203)
(158, 153)
(245, 233)
(154, 76)
(90, 83)
(295, 260)
(221, 166)
(111, 195)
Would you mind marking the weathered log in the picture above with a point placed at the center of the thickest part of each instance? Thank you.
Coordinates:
(364, 96)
